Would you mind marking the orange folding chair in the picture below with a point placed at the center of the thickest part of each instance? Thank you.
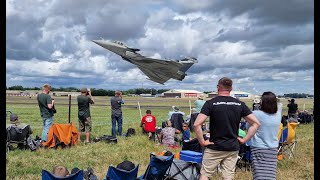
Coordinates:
(288, 140)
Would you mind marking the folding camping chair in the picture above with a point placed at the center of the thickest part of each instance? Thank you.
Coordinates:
(46, 175)
(288, 140)
(62, 134)
(184, 170)
(158, 167)
(244, 158)
(120, 174)
(17, 136)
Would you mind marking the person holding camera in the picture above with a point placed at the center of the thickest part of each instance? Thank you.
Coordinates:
(84, 101)
(46, 104)
(116, 113)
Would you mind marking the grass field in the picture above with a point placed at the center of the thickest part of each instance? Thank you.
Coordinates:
(28, 165)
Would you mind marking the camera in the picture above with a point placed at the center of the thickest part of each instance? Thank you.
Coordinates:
(88, 91)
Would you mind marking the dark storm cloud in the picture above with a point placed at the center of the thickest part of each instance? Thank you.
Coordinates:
(65, 22)
(118, 20)
(264, 12)
(275, 36)
(22, 36)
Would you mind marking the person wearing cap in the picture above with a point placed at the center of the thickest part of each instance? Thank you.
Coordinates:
(14, 121)
(116, 113)
(199, 103)
(175, 110)
(256, 104)
(84, 100)
(223, 146)
(46, 103)
(198, 106)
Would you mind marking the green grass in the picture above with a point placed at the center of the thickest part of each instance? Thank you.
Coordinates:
(28, 165)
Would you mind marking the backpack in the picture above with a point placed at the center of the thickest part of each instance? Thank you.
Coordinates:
(107, 139)
(131, 132)
(33, 144)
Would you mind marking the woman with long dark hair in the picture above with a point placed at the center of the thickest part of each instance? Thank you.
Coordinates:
(264, 144)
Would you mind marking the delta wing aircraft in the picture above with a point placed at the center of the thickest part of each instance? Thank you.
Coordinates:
(158, 70)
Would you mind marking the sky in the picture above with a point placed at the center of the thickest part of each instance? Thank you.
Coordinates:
(261, 45)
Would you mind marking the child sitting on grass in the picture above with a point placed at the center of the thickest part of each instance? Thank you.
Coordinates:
(186, 132)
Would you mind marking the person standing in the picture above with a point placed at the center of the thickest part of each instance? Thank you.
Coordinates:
(292, 109)
(116, 113)
(198, 106)
(175, 110)
(256, 104)
(223, 145)
(46, 104)
(85, 124)
(148, 124)
(264, 144)
(199, 103)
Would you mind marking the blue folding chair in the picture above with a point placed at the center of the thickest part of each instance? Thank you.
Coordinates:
(46, 175)
(284, 136)
(120, 174)
(158, 167)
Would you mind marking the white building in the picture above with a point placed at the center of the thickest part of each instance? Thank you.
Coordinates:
(236, 94)
(180, 93)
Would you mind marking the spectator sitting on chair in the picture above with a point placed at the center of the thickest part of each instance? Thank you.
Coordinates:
(60, 171)
(292, 120)
(167, 134)
(176, 119)
(175, 110)
(14, 122)
(186, 132)
(148, 124)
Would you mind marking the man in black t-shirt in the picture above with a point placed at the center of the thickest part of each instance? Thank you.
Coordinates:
(223, 145)
(292, 109)
(84, 116)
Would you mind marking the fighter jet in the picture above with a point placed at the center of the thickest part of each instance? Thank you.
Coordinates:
(158, 70)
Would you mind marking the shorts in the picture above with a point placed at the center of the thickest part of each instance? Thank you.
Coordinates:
(85, 125)
(212, 158)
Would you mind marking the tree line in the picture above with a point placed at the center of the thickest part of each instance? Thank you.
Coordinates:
(297, 95)
(94, 91)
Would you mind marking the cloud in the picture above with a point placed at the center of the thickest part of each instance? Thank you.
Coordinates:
(260, 45)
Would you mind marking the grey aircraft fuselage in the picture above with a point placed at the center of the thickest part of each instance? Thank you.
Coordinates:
(158, 70)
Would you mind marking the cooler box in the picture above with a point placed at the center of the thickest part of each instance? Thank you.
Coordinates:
(191, 156)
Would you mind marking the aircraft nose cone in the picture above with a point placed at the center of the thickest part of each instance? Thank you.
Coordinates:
(104, 44)
(99, 42)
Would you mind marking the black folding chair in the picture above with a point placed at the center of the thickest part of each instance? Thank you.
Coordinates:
(184, 170)
(17, 136)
